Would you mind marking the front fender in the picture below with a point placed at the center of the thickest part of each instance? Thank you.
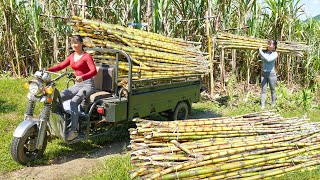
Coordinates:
(24, 126)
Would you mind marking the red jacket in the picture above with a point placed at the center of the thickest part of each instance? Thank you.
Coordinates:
(84, 67)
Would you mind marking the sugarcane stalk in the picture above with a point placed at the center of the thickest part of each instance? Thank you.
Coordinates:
(165, 174)
(178, 145)
(129, 30)
(282, 170)
(138, 172)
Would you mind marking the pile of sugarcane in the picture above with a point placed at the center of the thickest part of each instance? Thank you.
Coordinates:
(251, 146)
(154, 55)
(231, 41)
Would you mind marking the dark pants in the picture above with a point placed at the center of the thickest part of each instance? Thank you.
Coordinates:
(76, 94)
(271, 79)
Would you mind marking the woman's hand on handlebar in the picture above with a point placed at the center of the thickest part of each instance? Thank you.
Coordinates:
(79, 79)
(71, 76)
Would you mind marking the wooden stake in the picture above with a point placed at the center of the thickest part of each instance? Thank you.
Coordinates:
(210, 55)
(17, 55)
(234, 64)
(288, 68)
(248, 73)
(84, 3)
(209, 15)
(222, 70)
(67, 46)
(71, 8)
(212, 67)
(55, 48)
(148, 14)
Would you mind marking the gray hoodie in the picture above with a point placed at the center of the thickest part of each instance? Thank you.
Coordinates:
(268, 58)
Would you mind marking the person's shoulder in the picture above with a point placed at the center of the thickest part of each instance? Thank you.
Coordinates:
(71, 54)
(87, 56)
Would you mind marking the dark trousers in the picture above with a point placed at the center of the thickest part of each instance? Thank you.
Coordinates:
(76, 94)
(271, 79)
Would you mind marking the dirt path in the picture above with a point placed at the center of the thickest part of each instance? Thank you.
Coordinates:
(77, 165)
(67, 167)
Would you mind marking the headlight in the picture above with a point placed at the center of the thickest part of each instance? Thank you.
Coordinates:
(34, 88)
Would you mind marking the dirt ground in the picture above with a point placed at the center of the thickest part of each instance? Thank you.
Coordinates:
(67, 167)
(73, 166)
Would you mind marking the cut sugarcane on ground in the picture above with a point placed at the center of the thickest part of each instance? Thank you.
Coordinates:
(153, 55)
(250, 146)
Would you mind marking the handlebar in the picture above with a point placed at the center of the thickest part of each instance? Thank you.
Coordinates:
(68, 74)
(71, 76)
(59, 77)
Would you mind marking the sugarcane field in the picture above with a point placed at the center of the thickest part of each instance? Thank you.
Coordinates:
(160, 89)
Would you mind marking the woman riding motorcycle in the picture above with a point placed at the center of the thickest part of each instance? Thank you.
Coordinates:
(84, 70)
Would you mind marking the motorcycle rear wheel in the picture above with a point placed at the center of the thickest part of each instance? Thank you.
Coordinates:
(23, 149)
(180, 112)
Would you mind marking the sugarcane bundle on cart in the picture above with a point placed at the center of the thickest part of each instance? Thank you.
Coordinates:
(154, 55)
(231, 41)
(251, 146)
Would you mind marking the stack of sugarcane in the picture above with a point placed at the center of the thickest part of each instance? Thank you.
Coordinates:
(251, 146)
(231, 41)
(154, 55)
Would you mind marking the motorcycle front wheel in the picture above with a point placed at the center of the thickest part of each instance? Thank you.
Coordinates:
(23, 149)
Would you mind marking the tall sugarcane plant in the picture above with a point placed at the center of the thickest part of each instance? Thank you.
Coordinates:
(8, 15)
(29, 52)
(40, 23)
(37, 40)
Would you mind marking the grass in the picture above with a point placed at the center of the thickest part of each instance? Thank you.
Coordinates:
(114, 168)
(301, 175)
(13, 102)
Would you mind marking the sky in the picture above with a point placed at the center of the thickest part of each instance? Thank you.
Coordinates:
(311, 8)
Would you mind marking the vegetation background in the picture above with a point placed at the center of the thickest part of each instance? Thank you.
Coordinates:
(33, 34)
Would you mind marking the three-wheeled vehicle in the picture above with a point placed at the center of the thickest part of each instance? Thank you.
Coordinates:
(108, 106)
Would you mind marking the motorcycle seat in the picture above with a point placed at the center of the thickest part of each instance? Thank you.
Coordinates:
(99, 95)
(104, 80)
